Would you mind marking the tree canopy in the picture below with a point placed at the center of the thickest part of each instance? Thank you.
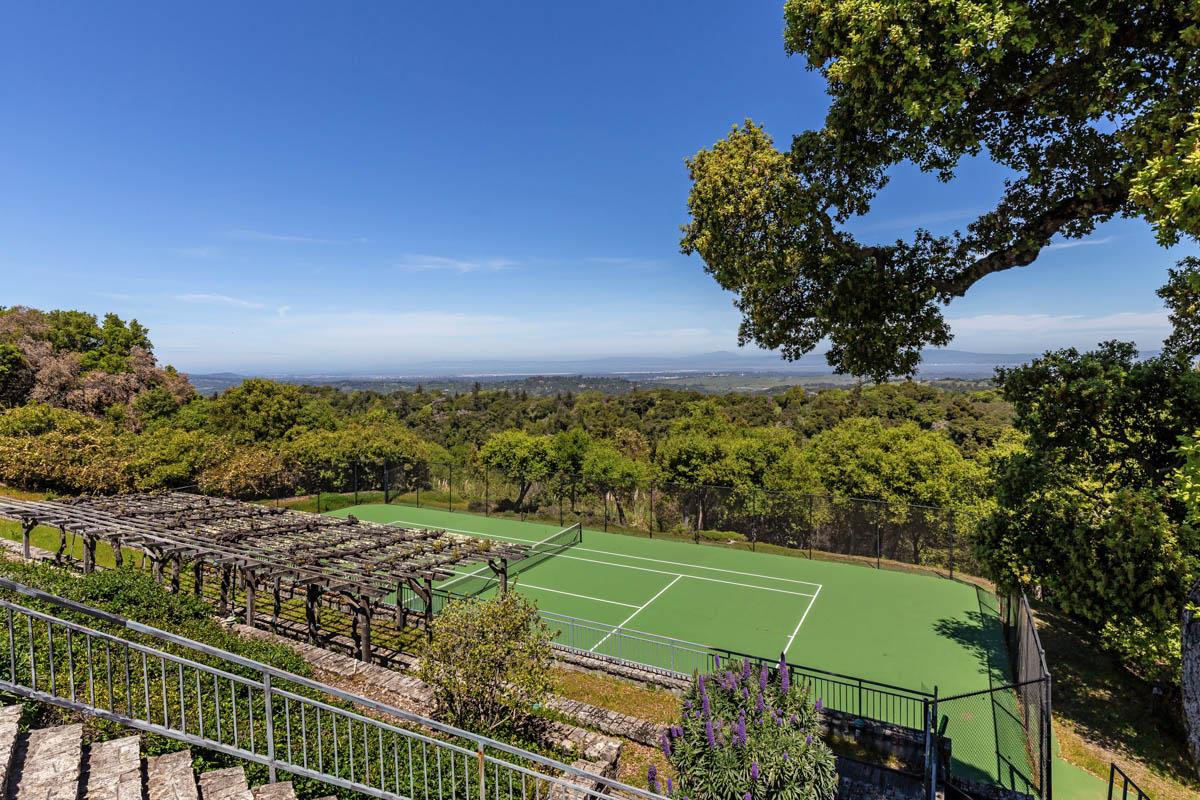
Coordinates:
(1093, 108)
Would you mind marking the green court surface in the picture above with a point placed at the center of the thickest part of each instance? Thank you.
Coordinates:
(908, 630)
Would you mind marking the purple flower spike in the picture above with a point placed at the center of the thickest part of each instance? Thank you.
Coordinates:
(817, 705)
(706, 706)
(666, 746)
(785, 675)
(710, 735)
(745, 669)
(763, 675)
(717, 661)
(808, 739)
(786, 757)
(760, 704)
(670, 787)
(701, 685)
(652, 778)
(754, 771)
(746, 796)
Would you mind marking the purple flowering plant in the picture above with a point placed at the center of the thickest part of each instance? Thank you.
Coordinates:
(757, 736)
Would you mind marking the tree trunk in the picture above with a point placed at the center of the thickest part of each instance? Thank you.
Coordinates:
(1190, 674)
(525, 487)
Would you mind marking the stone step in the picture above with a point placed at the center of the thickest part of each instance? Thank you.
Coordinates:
(114, 770)
(328, 797)
(49, 762)
(282, 790)
(10, 716)
(170, 777)
(225, 784)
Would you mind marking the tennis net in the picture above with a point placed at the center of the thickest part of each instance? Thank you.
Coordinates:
(482, 580)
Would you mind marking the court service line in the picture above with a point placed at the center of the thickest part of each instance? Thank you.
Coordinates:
(803, 617)
(615, 555)
(635, 613)
(520, 585)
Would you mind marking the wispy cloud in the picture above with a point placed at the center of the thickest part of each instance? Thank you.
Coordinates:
(627, 262)
(414, 262)
(217, 299)
(1069, 243)
(196, 252)
(252, 235)
(1036, 331)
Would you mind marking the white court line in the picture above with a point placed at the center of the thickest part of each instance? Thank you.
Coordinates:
(520, 585)
(577, 548)
(635, 613)
(803, 617)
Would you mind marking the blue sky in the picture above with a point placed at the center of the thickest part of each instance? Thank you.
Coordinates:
(324, 187)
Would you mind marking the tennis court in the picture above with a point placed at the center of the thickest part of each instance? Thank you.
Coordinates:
(908, 630)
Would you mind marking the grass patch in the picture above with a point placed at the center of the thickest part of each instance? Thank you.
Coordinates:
(23, 494)
(1104, 713)
(615, 694)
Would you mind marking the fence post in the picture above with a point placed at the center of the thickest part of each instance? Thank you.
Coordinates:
(650, 526)
(356, 481)
(270, 722)
(485, 494)
(450, 503)
(606, 509)
(879, 540)
(953, 536)
(482, 772)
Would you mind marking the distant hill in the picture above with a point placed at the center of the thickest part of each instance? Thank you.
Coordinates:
(716, 372)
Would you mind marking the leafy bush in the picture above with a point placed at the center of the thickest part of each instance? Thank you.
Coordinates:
(746, 734)
(489, 663)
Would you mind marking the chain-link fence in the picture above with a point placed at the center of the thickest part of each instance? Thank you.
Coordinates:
(872, 532)
(1000, 736)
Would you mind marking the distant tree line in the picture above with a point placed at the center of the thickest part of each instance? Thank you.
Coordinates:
(1074, 461)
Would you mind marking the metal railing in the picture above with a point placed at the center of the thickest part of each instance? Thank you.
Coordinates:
(1128, 789)
(867, 699)
(210, 698)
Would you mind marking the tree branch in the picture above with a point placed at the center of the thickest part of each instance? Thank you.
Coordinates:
(1104, 200)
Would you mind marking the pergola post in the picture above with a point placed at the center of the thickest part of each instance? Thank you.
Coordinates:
(362, 610)
(226, 579)
(156, 567)
(27, 526)
(401, 607)
(250, 584)
(118, 555)
(276, 603)
(312, 599)
(89, 553)
(429, 608)
(62, 544)
(198, 577)
(176, 567)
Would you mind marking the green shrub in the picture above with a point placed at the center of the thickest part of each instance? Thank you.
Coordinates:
(746, 734)
(489, 663)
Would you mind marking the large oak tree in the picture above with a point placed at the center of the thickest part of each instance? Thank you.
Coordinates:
(1092, 106)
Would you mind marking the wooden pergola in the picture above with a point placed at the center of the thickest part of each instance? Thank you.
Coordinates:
(260, 548)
